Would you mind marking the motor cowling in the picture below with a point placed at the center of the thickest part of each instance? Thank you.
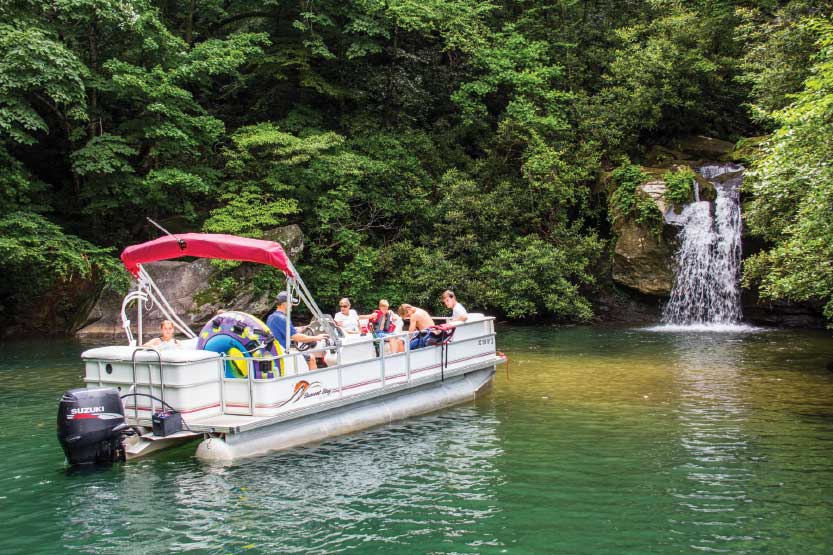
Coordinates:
(91, 426)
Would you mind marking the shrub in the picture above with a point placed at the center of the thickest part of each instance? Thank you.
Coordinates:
(678, 186)
(628, 201)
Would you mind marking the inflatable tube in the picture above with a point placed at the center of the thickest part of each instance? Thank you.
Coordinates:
(241, 336)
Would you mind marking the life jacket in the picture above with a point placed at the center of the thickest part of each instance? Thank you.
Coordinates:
(434, 335)
(382, 321)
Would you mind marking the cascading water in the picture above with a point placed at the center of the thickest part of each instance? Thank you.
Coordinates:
(706, 289)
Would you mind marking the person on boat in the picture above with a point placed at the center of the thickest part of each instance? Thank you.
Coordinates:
(277, 325)
(383, 322)
(420, 320)
(458, 311)
(347, 318)
(167, 341)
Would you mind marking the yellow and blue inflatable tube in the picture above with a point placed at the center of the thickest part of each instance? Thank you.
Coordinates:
(244, 340)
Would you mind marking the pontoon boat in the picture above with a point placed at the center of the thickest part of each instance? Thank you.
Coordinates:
(231, 384)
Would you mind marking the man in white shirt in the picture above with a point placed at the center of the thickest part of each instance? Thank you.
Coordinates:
(458, 311)
(346, 318)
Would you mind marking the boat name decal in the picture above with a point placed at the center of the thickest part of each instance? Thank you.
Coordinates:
(305, 390)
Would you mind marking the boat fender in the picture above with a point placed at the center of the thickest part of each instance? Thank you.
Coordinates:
(214, 449)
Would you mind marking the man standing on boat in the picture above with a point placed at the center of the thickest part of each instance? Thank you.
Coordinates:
(458, 311)
(277, 325)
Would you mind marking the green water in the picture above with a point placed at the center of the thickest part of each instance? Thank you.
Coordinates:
(603, 441)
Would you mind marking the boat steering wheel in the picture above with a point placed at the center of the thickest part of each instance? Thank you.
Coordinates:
(316, 328)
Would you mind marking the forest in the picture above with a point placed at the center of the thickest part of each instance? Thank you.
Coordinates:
(419, 144)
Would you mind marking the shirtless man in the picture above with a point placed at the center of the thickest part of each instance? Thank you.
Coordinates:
(420, 319)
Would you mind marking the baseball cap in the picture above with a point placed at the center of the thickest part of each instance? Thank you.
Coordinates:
(282, 297)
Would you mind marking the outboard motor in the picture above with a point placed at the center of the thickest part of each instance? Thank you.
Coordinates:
(91, 426)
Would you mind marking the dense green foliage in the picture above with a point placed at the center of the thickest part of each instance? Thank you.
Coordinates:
(679, 186)
(420, 145)
(628, 201)
(792, 185)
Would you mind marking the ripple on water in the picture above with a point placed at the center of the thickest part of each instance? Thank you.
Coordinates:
(707, 328)
(602, 441)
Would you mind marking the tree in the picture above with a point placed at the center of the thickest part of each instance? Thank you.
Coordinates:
(792, 184)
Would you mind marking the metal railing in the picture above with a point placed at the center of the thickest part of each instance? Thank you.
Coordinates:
(293, 370)
(150, 380)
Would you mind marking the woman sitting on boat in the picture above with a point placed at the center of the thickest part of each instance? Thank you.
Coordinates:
(167, 341)
(347, 318)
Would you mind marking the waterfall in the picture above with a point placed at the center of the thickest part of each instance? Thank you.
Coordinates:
(706, 288)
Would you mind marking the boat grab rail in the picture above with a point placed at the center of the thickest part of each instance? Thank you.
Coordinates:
(287, 356)
(150, 379)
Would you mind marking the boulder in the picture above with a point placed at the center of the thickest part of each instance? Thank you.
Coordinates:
(179, 281)
(59, 311)
(290, 236)
(643, 260)
(706, 188)
(190, 289)
(663, 157)
(706, 148)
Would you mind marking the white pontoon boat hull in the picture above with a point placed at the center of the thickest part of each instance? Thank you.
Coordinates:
(347, 419)
(365, 385)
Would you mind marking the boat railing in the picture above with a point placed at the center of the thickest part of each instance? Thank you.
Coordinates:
(150, 380)
(293, 366)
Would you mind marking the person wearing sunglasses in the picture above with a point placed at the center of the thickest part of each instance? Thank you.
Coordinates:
(346, 318)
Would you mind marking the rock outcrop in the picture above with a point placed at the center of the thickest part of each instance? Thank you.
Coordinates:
(643, 260)
(190, 289)
(60, 311)
(706, 148)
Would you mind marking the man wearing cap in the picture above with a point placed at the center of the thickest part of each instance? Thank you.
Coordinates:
(277, 325)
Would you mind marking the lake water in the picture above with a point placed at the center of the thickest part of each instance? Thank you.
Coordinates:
(602, 441)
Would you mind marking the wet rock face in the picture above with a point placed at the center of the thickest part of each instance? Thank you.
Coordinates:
(186, 286)
(643, 261)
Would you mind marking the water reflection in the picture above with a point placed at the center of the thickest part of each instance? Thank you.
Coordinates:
(712, 418)
(413, 479)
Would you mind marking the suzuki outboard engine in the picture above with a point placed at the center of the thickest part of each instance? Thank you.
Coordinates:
(91, 426)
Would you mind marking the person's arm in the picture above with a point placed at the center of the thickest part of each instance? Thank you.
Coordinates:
(153, 342)
(304, 338)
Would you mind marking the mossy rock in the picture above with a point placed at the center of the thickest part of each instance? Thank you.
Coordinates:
(748, 149)
(708, 148)
(643, 260)
(664, 157)
(707, 190)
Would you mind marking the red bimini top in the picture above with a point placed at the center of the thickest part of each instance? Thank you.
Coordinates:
(206, 245)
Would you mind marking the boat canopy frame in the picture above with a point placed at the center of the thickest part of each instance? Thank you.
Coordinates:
(147, 294)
